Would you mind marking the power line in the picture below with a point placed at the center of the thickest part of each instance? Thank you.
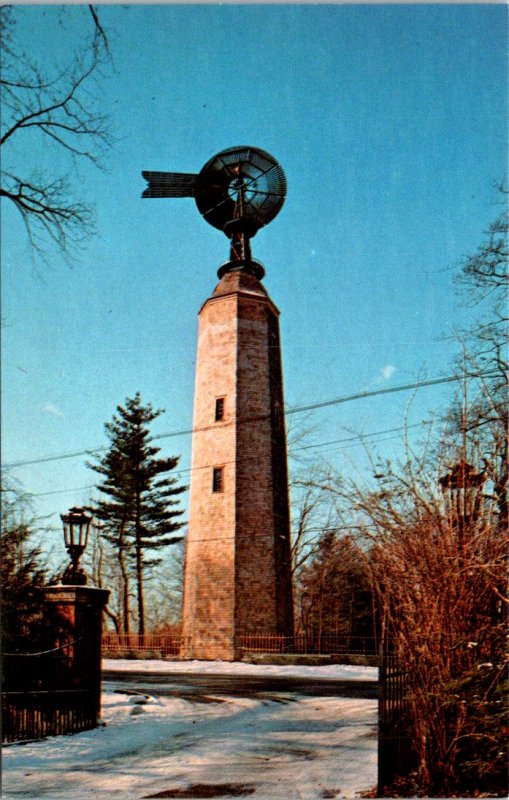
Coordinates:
(59, 457)
(352, 440)
(64, 491)
(295, 410)
(269, 535)
(360, 436)
(388, 390)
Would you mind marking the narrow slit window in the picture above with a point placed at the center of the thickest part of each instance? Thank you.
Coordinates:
(218, 479)
(219, 409)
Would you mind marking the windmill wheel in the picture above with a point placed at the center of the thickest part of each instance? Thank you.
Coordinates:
(240, 189)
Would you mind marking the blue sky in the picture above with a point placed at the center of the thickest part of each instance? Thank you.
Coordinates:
(390, 124)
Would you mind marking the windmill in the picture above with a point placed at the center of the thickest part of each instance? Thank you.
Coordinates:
(238, 191)
(238, 558)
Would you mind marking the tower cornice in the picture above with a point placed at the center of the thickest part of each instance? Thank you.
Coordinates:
(243, 285)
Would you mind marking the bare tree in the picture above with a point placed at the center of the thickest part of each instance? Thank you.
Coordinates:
(45, 106)
(102, 566)
(484, 273)
(439, 572)
(483, 282)
(310, 516)
(165, 593)
(440, 587)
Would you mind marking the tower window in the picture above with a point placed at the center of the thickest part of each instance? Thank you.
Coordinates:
(218, 479)
(219, 415)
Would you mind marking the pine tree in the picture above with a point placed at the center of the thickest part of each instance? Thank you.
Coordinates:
(139, 513)
(23, 577)
(336, 594)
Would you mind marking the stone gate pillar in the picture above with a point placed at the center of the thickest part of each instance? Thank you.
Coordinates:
(75, 616)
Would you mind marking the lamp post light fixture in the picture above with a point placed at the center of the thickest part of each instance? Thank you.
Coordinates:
(462, 488)
(76, 527)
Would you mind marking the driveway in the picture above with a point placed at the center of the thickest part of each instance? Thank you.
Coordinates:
(209, 735)
(187, 684)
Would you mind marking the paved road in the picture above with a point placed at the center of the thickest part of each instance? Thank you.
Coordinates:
(189, 686)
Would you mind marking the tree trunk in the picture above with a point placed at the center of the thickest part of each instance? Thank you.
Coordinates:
(139, 570)
(113, 617)
(500, 488)
(125, 593)
(125, 581)
(139, 578)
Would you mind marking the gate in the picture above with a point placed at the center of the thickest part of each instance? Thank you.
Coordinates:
(395, 752)
(41, 696)
(34, 715)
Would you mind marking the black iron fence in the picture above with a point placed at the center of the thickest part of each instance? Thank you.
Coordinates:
(396, 756)
(36, 714)
(42, 695)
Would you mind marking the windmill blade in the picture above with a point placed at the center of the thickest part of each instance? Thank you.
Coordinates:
(169, 184)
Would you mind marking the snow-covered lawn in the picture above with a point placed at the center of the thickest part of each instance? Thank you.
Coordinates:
(277, 747)
(328, 672)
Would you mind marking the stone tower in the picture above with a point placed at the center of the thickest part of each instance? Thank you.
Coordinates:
(237, 574)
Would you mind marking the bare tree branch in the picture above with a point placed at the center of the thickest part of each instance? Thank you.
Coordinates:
(58, 107)
(101, 33)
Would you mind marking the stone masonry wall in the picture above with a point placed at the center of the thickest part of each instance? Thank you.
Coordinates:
(234, 582)
(209, 592)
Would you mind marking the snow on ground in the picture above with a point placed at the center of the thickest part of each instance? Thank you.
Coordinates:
(328, 671)
(277, 747)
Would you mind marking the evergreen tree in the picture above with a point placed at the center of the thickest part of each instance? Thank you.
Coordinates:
(336, 592)
(139, 513)
(23, 578)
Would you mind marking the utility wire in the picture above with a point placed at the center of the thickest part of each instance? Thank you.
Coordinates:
(295, 410)
(352, 440)
(270, 536)
(360, 436)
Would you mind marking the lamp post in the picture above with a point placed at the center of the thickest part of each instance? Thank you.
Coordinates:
(462, 492)
(75, 612)
(76, 527)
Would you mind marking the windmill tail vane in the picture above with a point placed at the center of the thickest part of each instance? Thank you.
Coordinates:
(170, 184)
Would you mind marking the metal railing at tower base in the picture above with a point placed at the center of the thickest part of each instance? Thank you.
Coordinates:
(308, 644)
(149, 645)
(156, 645)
